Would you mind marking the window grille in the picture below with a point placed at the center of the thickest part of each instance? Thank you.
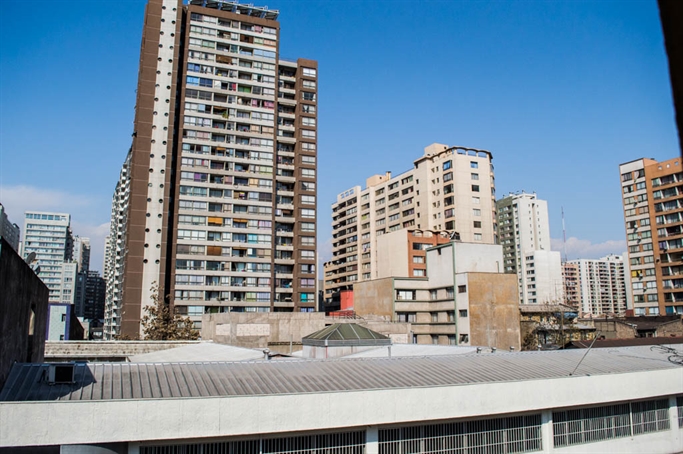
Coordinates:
(332, 443)
(588, 425)
(679, 405)
(495, 436)
(650, 416)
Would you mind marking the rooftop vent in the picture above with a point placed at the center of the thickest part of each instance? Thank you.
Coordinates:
(59, 374)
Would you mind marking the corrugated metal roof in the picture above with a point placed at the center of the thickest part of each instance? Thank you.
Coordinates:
(179, 380)
(407, 350)
(203, 352)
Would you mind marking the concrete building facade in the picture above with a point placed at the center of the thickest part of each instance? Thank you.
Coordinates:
(9, 230)
(465, 300)
(601, 285)
(524, 233)
(221, 178)
(23, 311)
(652, 195)
(449, 189)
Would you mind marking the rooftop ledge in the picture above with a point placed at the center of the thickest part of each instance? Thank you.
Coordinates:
(247, 9)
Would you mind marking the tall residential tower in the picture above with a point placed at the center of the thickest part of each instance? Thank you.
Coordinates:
(221, 211)
(524, 232)
(652, 194)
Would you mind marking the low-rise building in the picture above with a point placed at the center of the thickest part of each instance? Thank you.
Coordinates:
(627, 400)
(465, 300)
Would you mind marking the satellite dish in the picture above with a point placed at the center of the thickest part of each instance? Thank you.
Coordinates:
(30, 258)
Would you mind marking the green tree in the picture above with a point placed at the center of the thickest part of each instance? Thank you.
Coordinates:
(161, 324)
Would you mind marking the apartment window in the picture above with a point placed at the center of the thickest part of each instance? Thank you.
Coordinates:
(308, 134)
(462, 313)
(475, 200)
(307, 213)
(626, 176)
(405, 295)
(447, 165)
(475, 188)
(475, 176)
(474, 165)
(307, 241)
(308, 199)
(477, 237)
(418, 259)
(419, 273)
(448, 177)
(462, 288)
(476, 212)
(309, 72)
(307, 282)
(308, 255)
(477, 224)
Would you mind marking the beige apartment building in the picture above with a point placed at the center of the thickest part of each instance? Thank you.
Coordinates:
(652, 194)
(570, 279)
(449, 189)
(220, 207)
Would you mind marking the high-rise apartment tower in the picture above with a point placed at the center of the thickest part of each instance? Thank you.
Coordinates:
(652, 194)
(524, 232)
(450, 189)
(49, 236)
(601, 285)
(221, 205)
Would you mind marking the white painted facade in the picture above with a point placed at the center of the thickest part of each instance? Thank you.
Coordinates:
(524, 232)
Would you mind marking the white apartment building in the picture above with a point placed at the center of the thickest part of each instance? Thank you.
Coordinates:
(524, 233)
(602, 285)
(115, 254)
(49, 236)
(449, 189)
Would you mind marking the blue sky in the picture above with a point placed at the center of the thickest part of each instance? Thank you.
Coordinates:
(560, 92)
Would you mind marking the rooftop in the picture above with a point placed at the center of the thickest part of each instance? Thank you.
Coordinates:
(122, 381)
(237, 8)
(343, 334)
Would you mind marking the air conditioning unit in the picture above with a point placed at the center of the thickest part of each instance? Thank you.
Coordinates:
(59, 374)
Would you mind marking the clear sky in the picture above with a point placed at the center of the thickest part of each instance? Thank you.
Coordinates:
(560, 92)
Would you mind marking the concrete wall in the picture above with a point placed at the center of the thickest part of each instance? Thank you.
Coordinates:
(259, 329)
(670, 329)
(74, 350)
(392, 255)
(374, 297)
(23, 312)
(276, 330)
(614, 329)
(494, 311)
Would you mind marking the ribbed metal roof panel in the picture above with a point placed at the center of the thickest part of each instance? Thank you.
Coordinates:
(114, 381)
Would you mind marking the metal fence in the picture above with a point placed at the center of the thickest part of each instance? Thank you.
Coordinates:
(588, 425)
(489, 436)
(332, 443)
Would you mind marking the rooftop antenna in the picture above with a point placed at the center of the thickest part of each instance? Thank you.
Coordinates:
(564, 237)
(597, 334)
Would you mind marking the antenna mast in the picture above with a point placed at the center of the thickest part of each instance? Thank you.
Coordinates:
(564, 237)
